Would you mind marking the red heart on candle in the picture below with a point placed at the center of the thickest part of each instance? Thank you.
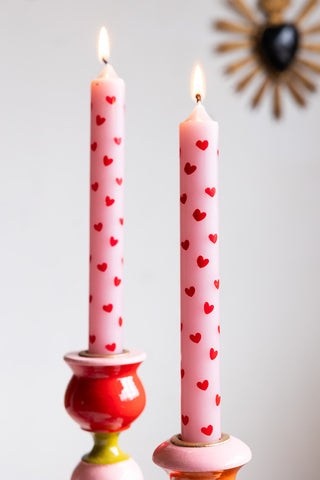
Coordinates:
(207, 430)
(94, 146)
(213, 353)
(190, 291)
(119, 181)
(198, 215)
(195, 338)
(218, 328)
(213, 238)
(113, 241)
(111, 347)
(100, 120)
(120, 321)
(217, 284)
(202, 145)
(108, 308)
(109, 201)
(182, 373)
(90, 298)
(111, 100)
(185, 419)
(218, 152)
(202, 262)
(189, 169)
(210, 191)
(183, 198)
(98, 227)
(203, 385)
(185, 244)
(107, 161)
(102, 267)
(117, 140)
(218, 400)
(117, 281)
(208, 308)
(121, 221)
(92, 338)
(95, 186)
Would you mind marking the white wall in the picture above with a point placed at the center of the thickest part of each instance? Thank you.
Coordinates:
(270, 235)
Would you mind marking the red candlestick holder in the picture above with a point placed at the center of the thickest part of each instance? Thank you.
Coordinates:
(104, 396)
(202, 461)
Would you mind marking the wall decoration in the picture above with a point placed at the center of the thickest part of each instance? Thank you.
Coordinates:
(280, 52)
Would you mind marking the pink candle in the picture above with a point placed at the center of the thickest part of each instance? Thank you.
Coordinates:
(106, 209)
(200, 325)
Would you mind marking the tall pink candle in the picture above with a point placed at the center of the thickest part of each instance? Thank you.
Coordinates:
(200, 322)
(106, 212)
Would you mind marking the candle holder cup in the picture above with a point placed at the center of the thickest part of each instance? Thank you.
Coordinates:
(104, 396)
(202, 461)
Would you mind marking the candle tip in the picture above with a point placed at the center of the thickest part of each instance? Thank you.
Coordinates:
(104, 48)
(197, 84)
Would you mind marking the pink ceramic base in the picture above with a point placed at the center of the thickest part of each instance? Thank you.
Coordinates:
(127, 470)
(215, 457)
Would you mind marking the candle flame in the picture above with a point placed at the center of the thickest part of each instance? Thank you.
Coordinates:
(197, 84)
(104, 48)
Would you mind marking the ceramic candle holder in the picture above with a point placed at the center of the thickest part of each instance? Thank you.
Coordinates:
(207, 461)
(104, 396)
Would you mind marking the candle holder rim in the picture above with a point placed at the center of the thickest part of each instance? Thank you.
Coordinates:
(177, 440)
(214, 457)
(128, 358)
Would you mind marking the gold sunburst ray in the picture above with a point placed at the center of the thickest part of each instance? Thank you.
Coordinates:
(235, 66)
(306, 10)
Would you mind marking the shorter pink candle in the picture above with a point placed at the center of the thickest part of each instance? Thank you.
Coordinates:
(200, 316)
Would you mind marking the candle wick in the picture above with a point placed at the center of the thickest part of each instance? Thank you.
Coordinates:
(104, 60)
(198, 97)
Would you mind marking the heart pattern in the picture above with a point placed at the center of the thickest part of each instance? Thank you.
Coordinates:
(107, 161)
(108, 308)
(207, 430)
(106, 216)
(189, 169)
(111, 100)
(198, 215)
(213, 238)
(113, 241)
(210, 191)
(102, 267)
(185, 244)
(185, 419)
(195, 338)
(208, 308)
(213, 353)
(100, 120)
(183, 198)
(203, 385)
(202, 262)
(203, 145)
(190, 291)
(200, 341)
(109, 201)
